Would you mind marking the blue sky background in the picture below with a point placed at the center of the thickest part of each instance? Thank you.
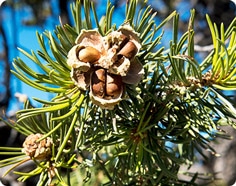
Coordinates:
(22, 36)
(25, 37)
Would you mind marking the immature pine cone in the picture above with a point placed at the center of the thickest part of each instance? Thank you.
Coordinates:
(38, 150)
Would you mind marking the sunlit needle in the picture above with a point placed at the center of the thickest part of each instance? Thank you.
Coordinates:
(1, 1)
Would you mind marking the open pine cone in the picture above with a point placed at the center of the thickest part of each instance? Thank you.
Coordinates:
(104, 64)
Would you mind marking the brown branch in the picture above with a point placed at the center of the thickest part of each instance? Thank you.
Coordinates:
(6, 73)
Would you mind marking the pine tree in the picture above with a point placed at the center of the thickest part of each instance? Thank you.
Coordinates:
(124, 109)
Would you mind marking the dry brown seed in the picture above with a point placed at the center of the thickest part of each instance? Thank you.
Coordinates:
(88, 54)
(125, 40)
(98, 82)
(129, 50)
(113, 85)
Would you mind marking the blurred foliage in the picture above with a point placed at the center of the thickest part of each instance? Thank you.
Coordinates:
(174, 112)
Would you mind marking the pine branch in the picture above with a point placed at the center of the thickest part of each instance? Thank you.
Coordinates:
(121, 102)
